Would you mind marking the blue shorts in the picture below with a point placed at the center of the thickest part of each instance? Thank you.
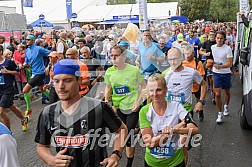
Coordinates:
(222, 80)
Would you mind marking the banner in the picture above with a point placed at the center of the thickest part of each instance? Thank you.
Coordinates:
(28, 3)
(69, 9)
(143, 19)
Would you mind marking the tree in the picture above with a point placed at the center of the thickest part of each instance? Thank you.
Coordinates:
(194, 9)
(221, 10)
(224, 10)
(115, 2)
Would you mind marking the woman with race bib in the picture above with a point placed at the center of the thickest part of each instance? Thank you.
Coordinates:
(162, 122)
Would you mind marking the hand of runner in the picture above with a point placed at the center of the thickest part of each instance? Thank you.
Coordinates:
(4, 70)
(112, 161)
(198, 107)
(61, 159)
(150, 57)
(46, 86)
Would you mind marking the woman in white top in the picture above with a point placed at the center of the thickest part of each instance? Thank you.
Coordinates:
(161, 124)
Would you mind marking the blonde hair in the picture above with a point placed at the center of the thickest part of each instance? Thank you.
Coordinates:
(157, 77)
(6, 53)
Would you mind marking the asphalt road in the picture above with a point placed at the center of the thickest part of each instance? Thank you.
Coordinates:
(225, 145)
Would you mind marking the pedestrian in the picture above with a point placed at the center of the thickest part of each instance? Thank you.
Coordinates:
(34, 59)
(7, 78)
(8, 148)
(73, 54)
(53, 97)
(150, 54)
(161, 124)
(192, 62)
(223, 59)
(95, 70)
(61, 46)
(124, 83)
(75, 125)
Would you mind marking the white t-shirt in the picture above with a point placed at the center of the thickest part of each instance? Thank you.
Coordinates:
(180, 84)
(60, 48)
(174, 113)
(220, 55)
(8, 150)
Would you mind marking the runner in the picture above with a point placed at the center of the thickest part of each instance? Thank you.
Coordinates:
(161, 124)
(8, 148)
(223, 59)
(123, 82)
(34, 58)
(7, 78)
(197, 65)
(76, 126)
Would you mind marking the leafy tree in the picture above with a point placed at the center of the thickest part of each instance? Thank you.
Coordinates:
(195, 9)
(216, 10)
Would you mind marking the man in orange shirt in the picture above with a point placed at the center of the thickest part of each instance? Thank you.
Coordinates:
(192, 62)
(73, 54)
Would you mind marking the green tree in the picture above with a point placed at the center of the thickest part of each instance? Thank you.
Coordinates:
(224, 10)
(195, 9)
(115, 2)
(221, 10)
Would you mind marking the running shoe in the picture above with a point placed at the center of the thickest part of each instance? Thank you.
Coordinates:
(28, 113)
(226, 112)
(219, 119)
(25, 123)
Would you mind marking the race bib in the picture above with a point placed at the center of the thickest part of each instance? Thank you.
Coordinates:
(2, 80)
(218, 63)
(121, 90)
(163, 152)
(180, 97)
(147, 74)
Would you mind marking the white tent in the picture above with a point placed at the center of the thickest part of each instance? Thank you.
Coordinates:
(89, 10)
(106, 12)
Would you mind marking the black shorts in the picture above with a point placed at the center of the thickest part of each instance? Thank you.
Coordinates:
(37, 80)
(6, 97)
(130, 120)
(197, 94)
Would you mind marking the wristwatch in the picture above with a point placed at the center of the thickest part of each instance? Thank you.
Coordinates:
(203, 102)
(117, 152)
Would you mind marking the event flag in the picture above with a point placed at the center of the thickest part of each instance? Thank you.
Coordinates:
(28, 3)
(69, 9)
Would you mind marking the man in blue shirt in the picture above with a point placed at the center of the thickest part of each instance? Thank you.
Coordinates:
(34, 58)
(195, 41)
(150, 54)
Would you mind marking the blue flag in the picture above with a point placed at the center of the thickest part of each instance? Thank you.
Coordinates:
(69, 9)
(28, 3)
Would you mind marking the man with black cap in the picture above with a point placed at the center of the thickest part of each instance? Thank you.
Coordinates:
(34, 58)
(76, 126)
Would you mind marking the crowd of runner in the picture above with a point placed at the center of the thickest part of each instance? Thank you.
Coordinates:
(146, 87)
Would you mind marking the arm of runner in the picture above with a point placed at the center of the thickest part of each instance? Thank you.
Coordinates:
(108, 92)
(5, 71)
(113, 160)
(152, 141)
(227, 65)
(58, 160)
(139, 100)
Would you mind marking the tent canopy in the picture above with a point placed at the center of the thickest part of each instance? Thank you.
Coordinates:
(41, 23)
